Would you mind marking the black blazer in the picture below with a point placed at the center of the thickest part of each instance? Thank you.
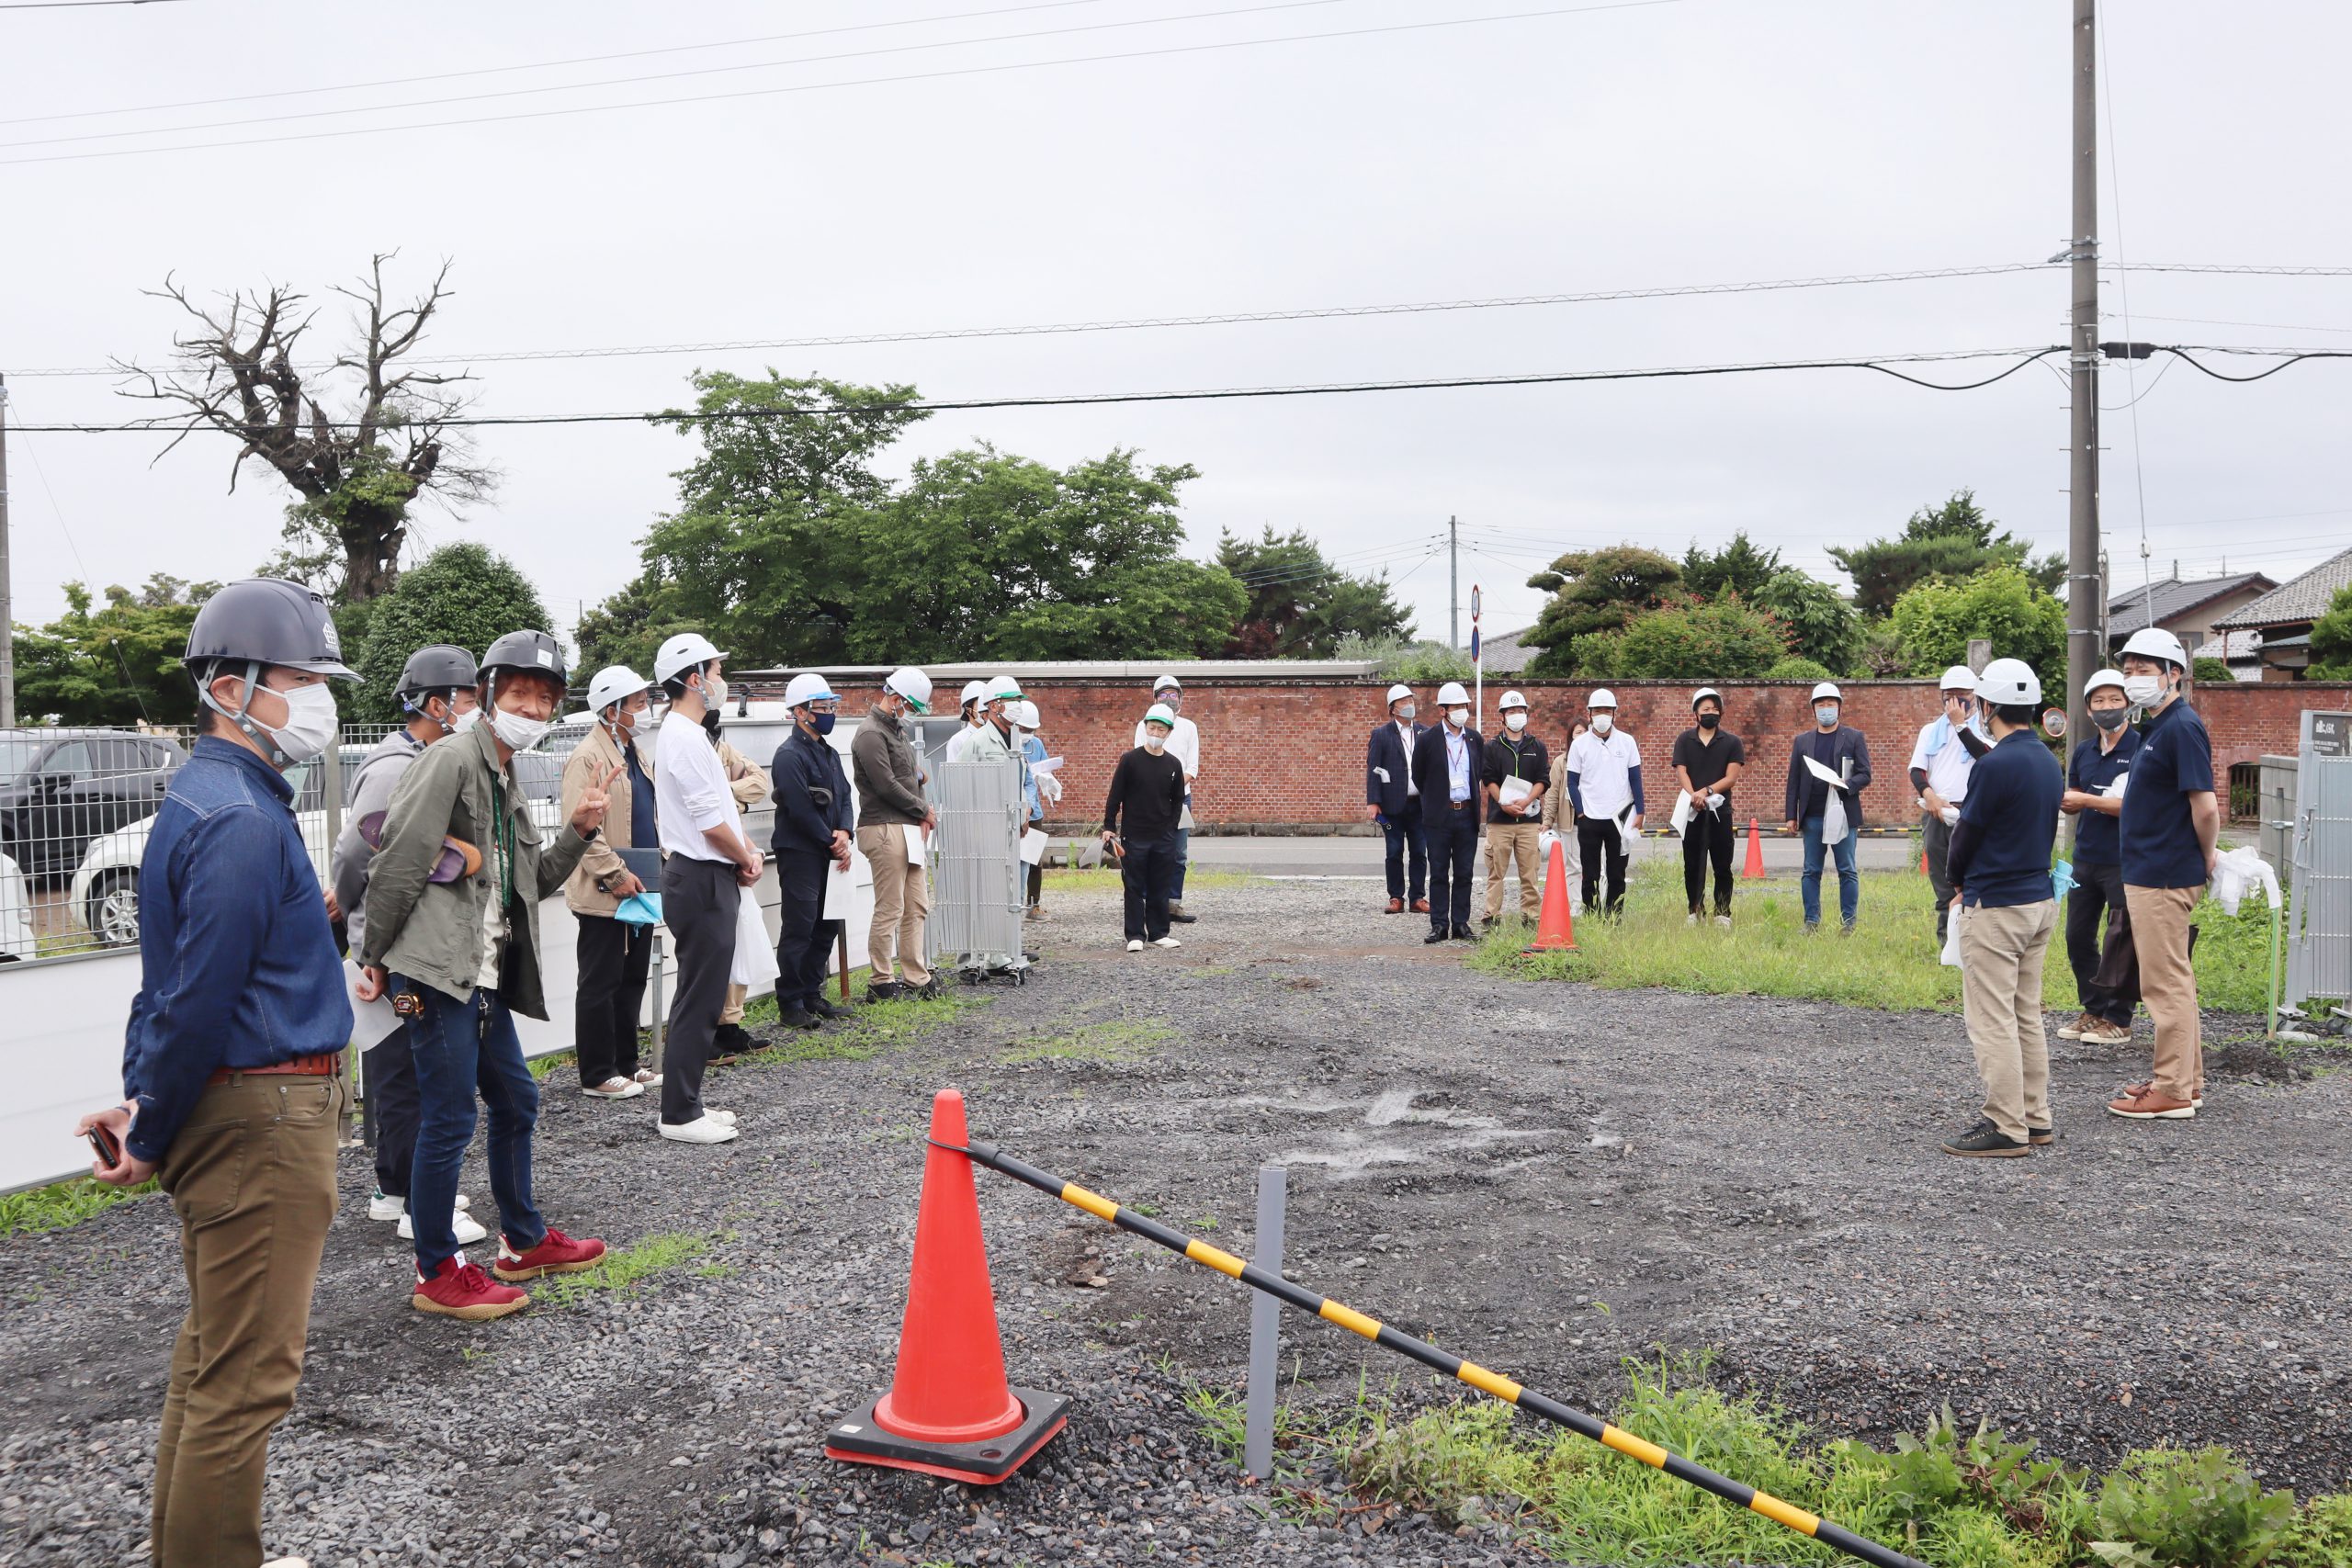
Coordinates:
(1430, 778)
(1387, 750)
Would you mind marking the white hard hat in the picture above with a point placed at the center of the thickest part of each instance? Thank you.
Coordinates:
(1159, 713)
(973, 689)
(613, 683)
(2102, 678)
(687, 650)
(1002, 687)
(1602, 697)
(1958, 678)
(1510, 700)
(809, 687)
(910, 683)
(1165, 683)
(1399, 694)
(2010, 683)
(1701, 694)
(1451, 695)
(1829, 689)
(2155, 642)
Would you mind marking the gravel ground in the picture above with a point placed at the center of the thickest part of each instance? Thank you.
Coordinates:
(1479, 1161)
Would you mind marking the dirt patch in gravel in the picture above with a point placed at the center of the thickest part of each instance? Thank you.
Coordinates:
(1546, 1176)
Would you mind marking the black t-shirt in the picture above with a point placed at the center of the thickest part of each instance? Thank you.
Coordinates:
(1705, 759)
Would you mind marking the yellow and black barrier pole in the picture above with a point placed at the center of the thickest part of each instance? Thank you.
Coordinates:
(1429, 1355)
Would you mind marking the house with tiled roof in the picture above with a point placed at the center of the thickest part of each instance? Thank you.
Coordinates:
(2282, 618)
(2189, 608)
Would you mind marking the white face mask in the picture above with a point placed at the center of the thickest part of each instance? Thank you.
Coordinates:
(1603, 723)
(519, 733)
(1404, 712)
(310, 721)
(1515, 720)
(1457, 717)
(2143, 691)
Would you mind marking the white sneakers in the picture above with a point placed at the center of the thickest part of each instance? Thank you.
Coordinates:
(705, 1129)
(1135, 944)
(615, 1088)
(1166, 941)
(382, 1208)
(463, 1224)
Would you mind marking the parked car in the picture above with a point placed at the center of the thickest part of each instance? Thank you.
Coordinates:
(61, 789)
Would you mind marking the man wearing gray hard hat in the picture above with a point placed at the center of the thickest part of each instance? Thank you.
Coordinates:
(1393, 799)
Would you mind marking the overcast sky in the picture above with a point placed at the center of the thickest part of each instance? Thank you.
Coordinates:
(1689, 141)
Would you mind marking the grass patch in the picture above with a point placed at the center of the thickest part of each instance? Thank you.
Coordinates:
(1111, 1040)
(624, 1269)
(1892, 960)
(62, 1204)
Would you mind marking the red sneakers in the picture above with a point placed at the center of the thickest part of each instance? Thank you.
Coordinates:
(555, 1254)
(459, 1289)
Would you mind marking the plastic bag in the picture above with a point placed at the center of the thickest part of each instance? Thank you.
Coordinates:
(640, 910)
(1680, 822)
(1833, 821)
(2238, 873)
(754, 959)
(1951, 938)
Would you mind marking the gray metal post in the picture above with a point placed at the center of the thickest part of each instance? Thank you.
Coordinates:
(1265, 1330)
(659, 1009)
(2084, 586)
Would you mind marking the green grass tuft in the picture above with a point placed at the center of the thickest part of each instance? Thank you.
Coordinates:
(62, 1204)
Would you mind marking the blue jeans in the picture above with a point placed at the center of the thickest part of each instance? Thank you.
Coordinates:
(460, 1047)
(1849, 881)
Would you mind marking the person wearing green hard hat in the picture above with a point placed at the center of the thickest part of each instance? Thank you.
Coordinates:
(1140, 821)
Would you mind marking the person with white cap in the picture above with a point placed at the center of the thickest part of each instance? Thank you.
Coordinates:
(2000, 869)
(2094, 798)
(1514, 826)
(976, 707)
(1139, 817)
(706, 861)
(1942, 760)
(2170, 821)
(1708, 760)
(813, 820)
(614, 958)
(1392, 799)
(1184, 745)
(1846, 754)
(1605, 783)
(1449, 762)
(890, 806)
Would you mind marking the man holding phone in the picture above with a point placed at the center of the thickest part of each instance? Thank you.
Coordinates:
(232, 1094)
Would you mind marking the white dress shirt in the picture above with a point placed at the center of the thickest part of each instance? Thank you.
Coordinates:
(691, 794)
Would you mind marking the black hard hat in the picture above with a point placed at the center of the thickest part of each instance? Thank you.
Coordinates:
(436, 667)
(530, 652)
(262, 620)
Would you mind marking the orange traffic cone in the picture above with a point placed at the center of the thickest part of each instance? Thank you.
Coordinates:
(949, 1411)
(1754, 869)
(1555, 932)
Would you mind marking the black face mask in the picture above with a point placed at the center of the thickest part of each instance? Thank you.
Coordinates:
(2110, 719)
(1708, 720)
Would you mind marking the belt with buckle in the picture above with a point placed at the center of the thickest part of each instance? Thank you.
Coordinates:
(321, 1065)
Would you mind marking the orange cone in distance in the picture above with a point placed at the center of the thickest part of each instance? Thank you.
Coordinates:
(1754, 869)
(950, 1412)
(1555, 932)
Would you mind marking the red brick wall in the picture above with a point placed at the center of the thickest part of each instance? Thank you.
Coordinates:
(1281, 757)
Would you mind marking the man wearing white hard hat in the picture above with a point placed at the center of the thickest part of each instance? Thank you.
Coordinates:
(976, 710)
(1941, 761)
(891, 807)
(706, 861)
(615, 957)
(1514, 809)
(1605, 783)
(1842, 752)
(1184, 745)
(1392, 799)
(813, 818)
(2171, 819)
(2000, 867)
(2094, 798)
(1139, 817)
(1449, 763)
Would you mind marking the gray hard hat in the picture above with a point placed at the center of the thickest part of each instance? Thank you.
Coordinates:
(265, 620)
(436, 667)
(527, 653)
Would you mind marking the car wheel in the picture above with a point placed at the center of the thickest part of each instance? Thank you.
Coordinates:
(114, 909)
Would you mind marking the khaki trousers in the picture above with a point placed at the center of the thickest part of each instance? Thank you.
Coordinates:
(1505, 841)
(2168, 986)
(252, 1177)
(901, 903)
(2001, 953)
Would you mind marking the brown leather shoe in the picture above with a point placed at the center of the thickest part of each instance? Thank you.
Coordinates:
(2150, 1106)
(1396, 905)
(1420, 906)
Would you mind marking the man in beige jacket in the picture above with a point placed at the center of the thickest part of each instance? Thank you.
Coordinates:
(615, 957)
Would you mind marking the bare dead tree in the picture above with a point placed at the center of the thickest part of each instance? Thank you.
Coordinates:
(357, 470)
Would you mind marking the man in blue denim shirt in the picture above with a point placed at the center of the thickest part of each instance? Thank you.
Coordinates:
(231, 1093)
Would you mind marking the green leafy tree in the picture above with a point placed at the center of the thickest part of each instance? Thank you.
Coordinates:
(1594, 591)
(1697, 639)
(1300, 604)
(117, 664)
(1738, 566)
(1822, 626)
(462, 593)
(2332, 641)
(1954, 540)
(1935, 621)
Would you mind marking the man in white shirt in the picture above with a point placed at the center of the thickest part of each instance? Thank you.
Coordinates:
(1605, 783)
(1184, 745)
(1942, 761)
(705, 861)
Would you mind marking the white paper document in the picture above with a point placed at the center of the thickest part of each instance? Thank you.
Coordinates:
(1033, 847)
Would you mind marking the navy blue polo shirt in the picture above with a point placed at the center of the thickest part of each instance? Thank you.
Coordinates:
(2012, 813)
(2091, 771)
(2159, 838)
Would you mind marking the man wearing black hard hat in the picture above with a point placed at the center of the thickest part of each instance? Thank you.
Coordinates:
(233, 1094)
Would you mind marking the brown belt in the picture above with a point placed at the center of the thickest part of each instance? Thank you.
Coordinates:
(324, 1065)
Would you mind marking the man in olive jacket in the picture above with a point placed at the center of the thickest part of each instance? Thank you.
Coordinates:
(453, 937)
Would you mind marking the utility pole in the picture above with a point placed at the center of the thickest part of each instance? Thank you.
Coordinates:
(1452, 582)
(2084, 606)
(7, 610)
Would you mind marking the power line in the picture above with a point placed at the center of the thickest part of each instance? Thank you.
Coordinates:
(943, 74)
